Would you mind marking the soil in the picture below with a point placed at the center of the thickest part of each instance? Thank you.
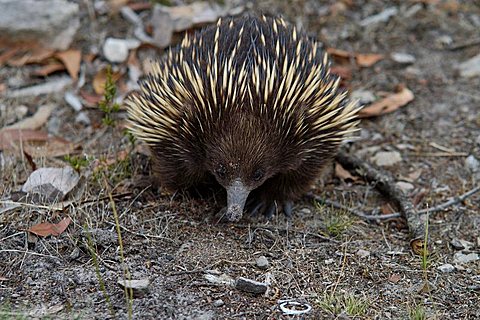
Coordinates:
(340, 265)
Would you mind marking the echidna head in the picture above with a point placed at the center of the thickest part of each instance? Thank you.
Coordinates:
(242, 158)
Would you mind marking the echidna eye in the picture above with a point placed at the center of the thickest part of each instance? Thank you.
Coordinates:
(258, 175)
(221, 171)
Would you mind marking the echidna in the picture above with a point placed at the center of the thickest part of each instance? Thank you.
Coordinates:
(249, 103)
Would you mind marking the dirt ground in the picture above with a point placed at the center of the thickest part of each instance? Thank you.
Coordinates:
(340, 265)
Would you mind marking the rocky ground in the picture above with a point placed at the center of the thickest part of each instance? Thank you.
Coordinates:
(187, 263)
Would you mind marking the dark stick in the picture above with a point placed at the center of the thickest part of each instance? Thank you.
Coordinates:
(385, 183)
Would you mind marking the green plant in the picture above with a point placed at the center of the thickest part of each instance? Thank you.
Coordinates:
(353, 305)
(108, 104)
(78, 162)
(417, 313)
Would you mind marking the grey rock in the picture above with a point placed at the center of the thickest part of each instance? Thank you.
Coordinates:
(218, 303)
(52, 184)
(364, 96)
(139, 287)
(83, 118)
(383, 16)
(116, 50)
(472, 163)
(252, 286)
(362, 253)
(162, 26)
(444, 40)
(470, 68)
(403, 58)
(51, 23)
(404, 186)
(460, 257)
(446, 268)
(262, 263)
(386, 158)
(459, 244)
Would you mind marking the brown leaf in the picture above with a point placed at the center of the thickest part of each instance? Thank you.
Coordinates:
(343, 174)
(35, 143)
(46, 229)
(48, 69)
(71, 59)
(9, 138)
(344, 72)
(34, 55)
(8, 54)
(368, 59)
(394, 278)
(388, 104)
(90, 99)
(100, 78)
(339, 53)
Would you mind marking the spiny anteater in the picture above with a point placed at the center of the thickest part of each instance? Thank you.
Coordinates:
(249, 102)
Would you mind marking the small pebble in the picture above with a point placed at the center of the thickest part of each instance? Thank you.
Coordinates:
(363, 253)
(252, 286)
(116, 50)
(446, 268)
(472, 163)
(364, 96)
(329, 261)
(82, 117)
(403, 58)
(139, 287)
(470, 68)
(404, 186)
(459, 244)
(262, 263)
(386, 158)
(218, 303)
(465, 258)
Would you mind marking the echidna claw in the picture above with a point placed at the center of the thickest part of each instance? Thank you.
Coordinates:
(288, 209)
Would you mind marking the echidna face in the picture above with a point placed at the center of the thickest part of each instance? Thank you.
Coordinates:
(242, 165)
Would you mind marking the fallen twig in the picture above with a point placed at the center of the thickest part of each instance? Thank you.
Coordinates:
(385, 183)
(470, 43)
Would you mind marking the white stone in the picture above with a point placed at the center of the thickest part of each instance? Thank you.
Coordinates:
(383, 16)
(402, 58)
(386, 158)
(116, 50)
(470, 68)
(363, 253)
(446, 268)
(472, 163)
(73, 100)
(404, 186)
(465, 258)
(364, 96)
(51, 23)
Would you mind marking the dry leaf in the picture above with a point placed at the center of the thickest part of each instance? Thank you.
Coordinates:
(100, 78)
(394, 278)
(48, 69)
(388, 104)
(368, 59)
(90, 99)
(10, 138)
(36, 121)
(46, 229)
(71, 59)
(339, 53)
(35, 143)
(342, 173)
(8, 54)
(344, 72)
(34, 55)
